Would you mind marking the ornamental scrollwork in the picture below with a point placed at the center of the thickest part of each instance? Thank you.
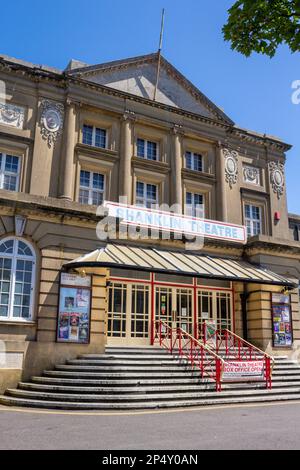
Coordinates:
(231, 166)
(12, 115)
(52, 117)
(277, 178)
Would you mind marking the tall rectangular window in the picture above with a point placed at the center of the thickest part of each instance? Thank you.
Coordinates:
(91, 189)
(94, 136)
(195, 205)
(147, 149)
(9, 172)
(146, 194)
(193, 161)
(253, 219)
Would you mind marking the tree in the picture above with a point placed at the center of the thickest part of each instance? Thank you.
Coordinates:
(262, 25)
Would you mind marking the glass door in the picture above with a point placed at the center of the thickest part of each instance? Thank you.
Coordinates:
(128, 321)
(175, 307)
(214, 307)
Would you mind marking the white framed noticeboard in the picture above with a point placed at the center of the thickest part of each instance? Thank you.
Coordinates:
(74, 309)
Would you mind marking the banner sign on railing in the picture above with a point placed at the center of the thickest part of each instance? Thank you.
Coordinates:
(243, 370)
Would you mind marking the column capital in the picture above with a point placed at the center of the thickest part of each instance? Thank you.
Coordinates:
(177, 130)
(128, 116)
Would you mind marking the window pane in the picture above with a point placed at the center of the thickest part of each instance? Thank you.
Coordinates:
(100, 138)
(140, 148)
(11, 164)
(87, 135)
(198, 162)
(188, 160)
(85, 178)
(7, 247)
(24, 249)
(83, 196)
(98, 181)
(152, 150)
(140, 189)
(5, 277)
(97, 198)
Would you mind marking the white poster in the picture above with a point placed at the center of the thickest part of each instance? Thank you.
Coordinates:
(240, 370)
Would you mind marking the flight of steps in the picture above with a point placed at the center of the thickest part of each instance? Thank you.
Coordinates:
(143, 378)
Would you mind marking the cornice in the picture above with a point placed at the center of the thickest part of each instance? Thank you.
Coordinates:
(155, 166)
(65, 79)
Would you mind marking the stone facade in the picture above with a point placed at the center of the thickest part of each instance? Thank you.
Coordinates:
(239, 167)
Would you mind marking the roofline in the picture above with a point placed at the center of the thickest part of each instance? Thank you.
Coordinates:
(152, 58)
(43, 72)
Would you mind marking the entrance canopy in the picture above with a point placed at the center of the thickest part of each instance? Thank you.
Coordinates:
(177, 262)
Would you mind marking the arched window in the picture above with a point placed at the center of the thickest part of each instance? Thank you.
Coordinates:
(17, 270)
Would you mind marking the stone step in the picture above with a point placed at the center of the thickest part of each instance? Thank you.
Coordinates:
(114, 368)
(114, 362)
(122, 382)
(75, 397)
(51, 404)
(167, 388)
(138, 375)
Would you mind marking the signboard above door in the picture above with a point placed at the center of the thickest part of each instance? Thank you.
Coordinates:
(175, 223)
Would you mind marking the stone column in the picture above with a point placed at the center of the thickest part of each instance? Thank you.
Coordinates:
(221, 188)
(176, 164)
(67, 160)
(125, 176)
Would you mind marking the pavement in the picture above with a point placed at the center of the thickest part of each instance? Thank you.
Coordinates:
(252, 427)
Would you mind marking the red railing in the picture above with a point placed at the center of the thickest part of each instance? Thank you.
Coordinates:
(234, 348)
(200, 356)
(206, 355)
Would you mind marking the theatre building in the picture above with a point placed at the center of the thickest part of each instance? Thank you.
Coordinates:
(72, 139)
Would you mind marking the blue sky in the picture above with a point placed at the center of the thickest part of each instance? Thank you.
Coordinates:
(254, 92)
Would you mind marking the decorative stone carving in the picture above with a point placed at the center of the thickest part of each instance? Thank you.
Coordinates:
(277, 177)
(231, 166)
(12, 115)
(51, 121)
(251, 175)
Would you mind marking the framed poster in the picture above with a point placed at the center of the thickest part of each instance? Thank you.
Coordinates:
(282, 321)
(74, 309)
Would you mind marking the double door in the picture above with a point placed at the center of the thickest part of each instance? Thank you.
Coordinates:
(134, 307)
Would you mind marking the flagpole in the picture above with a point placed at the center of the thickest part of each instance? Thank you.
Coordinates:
(159, 53)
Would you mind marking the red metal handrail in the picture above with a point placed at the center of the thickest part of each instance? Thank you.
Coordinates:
(238, 349)
(205, 356)
(198, 354)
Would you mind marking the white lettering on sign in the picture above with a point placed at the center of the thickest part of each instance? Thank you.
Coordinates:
(240, 370)
(171, 222)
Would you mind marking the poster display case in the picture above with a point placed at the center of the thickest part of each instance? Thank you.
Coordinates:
(74, 309)
(282, 321)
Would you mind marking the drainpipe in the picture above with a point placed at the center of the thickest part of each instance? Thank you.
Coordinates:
(244, 298)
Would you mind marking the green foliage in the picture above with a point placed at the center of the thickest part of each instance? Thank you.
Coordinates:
(262, 25)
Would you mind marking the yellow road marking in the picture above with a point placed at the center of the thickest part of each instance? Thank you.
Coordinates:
(137, 413)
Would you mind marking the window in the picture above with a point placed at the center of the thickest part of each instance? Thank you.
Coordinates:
(17, 269)
(147, 149)
(146, 194)
(253, 220)
(91, 189)
(193, 161)
(9, 172)
(194, 205)
(94, 136)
